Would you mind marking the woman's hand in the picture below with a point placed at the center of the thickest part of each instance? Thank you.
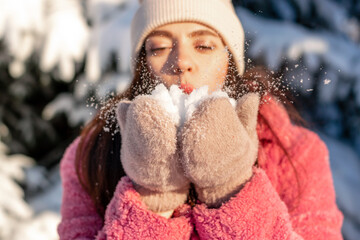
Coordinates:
(149, 154)
(219, 147)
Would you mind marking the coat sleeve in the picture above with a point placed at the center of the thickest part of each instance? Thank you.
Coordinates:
(261, 210)
(126, 216)
(80, 219)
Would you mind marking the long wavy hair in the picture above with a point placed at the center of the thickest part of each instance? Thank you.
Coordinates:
(98, 164)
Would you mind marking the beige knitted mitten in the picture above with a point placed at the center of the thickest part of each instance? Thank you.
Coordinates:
(219, 147)
(149, 154)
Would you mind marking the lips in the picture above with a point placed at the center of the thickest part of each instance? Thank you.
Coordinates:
(187, 88)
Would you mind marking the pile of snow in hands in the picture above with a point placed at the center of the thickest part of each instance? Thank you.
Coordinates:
(180, 105)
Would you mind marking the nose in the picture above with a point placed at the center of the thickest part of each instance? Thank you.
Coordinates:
(182, 66)
(183, 61)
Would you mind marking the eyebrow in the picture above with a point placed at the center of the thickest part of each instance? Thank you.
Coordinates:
(193, 34)
(160, 34)
(202, 33)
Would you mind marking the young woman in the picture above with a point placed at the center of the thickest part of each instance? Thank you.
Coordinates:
(229, 173)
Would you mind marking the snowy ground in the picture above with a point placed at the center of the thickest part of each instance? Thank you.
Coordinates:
(37, 216)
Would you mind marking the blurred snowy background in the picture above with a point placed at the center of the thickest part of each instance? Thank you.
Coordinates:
(60, 59)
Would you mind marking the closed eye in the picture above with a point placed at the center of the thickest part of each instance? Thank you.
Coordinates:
(205, 48)
(159, 49)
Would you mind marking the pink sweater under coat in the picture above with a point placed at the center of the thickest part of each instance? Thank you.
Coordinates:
(268, 207)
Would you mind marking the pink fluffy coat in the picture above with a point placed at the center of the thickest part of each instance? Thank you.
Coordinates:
(276, 203)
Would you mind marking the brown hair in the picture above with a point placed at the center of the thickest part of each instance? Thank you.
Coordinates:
(98, 164)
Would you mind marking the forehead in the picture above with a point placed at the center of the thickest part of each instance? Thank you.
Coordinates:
(184, 28)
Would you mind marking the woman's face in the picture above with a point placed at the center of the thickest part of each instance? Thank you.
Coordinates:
(190, 55)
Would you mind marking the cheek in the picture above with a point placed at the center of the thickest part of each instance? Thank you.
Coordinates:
(155, 64)
(222, 70)
(218, 73)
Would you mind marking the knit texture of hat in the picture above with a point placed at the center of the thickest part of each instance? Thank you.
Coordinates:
(216, 14)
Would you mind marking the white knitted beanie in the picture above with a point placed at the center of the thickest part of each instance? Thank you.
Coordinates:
(216, 14)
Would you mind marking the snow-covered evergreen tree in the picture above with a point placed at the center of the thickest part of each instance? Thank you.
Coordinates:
(314, 44)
